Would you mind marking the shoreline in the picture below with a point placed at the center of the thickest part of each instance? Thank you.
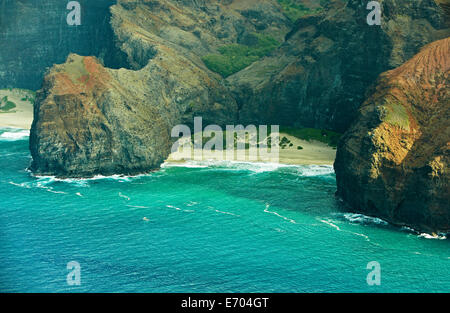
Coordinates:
(292, 150)
(311, 153)
(21, 115)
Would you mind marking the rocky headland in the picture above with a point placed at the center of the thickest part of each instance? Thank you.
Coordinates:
(393, 163)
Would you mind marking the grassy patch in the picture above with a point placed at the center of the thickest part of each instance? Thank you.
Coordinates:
(6, 105)
(294, 9)
(24, 95)
(329, 137)
(397, 115)
(76, 69)
(29, 98)
(235, 57)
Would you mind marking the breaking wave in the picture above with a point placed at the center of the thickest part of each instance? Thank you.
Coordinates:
(13, 134)
(256, 167)
(363, 219)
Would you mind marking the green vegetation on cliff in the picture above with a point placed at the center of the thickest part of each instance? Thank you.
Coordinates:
(295, 10)
(6, 105)
(329, 137)
(396, 114)
(235, 57)
(11, 98)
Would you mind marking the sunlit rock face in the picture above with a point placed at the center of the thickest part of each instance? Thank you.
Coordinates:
(394, 161)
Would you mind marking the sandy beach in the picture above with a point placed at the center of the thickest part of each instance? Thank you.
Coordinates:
(21, 116)
(312, 153)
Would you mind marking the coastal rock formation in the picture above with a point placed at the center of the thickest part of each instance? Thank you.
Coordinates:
(90, 120)
(393, 163)
(185, 31)
(319, 76)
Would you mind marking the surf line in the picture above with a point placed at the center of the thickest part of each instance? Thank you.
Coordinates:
(266, 210)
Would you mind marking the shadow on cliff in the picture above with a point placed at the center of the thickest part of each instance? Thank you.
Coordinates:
(34, 35)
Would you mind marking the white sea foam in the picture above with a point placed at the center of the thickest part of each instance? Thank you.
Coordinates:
(363, 219)
(23, 185)
(179, 209)
(227, 213)
(439, 236)
(315, 170)
(221, 212)
(256, 167)
(330, 224)
(137, 206)
(124, 196)
(173, 207)
(266, 210)
(433, 236)
(13, 134)
(187, 164)
(37, 184)
(83, 182)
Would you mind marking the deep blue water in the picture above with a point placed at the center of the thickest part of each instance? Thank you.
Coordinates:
(222, 228)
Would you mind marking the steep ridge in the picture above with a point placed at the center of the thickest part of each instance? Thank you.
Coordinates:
(394, 161)
(188, 30)
(319, 76)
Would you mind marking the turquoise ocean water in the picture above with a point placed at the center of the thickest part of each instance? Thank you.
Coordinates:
(223, 227)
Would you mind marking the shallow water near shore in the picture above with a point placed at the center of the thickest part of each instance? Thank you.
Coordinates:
(225, 227)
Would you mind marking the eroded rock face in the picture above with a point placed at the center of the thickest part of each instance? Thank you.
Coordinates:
(90, 120)
(393, 163)
(319, 76)
(194, 28)
(185, 31)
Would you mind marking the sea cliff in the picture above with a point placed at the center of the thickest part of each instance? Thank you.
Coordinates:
(393, 163)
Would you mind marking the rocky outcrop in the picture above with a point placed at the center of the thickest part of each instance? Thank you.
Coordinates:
(319, 76)
(90, 120)
(393, 163)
